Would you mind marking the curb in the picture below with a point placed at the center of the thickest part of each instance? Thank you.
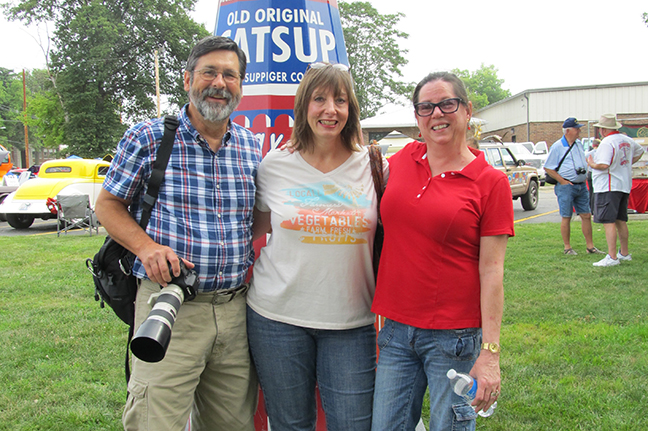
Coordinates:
(637, 216)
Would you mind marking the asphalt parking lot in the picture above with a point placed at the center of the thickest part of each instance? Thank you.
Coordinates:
(547, 211)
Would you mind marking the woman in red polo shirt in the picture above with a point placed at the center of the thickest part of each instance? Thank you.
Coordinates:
(447, 216)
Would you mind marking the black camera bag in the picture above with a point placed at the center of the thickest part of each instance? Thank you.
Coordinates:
(111, 267)
(115, 285)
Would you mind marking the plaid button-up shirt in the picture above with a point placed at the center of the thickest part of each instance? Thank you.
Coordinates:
(204, 209)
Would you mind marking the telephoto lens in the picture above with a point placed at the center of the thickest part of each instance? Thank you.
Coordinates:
(151, 341)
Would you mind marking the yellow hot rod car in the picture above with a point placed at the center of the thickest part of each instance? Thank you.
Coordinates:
(36, 198)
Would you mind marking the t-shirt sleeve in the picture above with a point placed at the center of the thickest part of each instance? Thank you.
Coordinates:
(637, 149)
(604, 154)
(497, 216)
(552, 159)
(385, 170)
(261, 201)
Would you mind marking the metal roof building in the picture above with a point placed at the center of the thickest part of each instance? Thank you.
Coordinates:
(537, 115)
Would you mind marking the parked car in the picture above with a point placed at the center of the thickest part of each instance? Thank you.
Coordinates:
(523, 179)
(521, 152)
(4, 192)
(539, 149)
(36, 198)
(532, 155)
(5, 161)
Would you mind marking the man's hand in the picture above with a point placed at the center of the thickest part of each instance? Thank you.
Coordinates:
(156, 260)
(113, 215)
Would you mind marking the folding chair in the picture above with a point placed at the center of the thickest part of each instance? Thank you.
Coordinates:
(74, 212)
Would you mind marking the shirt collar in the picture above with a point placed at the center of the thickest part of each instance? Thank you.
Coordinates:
(471, 171)
(184, 120)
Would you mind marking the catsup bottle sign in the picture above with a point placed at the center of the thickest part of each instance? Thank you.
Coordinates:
(280, 39)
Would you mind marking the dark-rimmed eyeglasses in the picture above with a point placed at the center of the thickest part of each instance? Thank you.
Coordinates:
(321, 65)
(209, 74)
(447, 106)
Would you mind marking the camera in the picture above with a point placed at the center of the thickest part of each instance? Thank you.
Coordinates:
(581, 171)
(151, 341)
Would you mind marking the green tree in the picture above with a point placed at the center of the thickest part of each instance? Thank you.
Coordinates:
(12, 116)
(483, 85)
(11, 104)
(374, 55)
(102, 69)
(45, 116)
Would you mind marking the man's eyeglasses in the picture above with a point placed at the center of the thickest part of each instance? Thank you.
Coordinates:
(447, 106)
(229, 76)
(320, 65)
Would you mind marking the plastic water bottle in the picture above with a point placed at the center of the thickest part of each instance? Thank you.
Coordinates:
(466, 387)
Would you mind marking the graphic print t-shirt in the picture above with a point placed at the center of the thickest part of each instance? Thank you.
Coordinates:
(316, 269)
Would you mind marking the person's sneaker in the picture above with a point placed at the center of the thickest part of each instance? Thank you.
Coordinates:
(594, 250)
(570, 252)
(622, 257)
(607, 261)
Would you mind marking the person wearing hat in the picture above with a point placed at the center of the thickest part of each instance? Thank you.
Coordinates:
(612, 179)
(571, 189)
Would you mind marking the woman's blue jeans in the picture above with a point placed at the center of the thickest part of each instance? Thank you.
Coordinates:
(411, 359)
(290, 360)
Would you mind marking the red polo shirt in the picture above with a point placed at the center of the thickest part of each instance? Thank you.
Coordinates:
(429, 267)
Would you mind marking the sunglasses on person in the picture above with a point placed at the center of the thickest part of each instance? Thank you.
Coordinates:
(321, 65)
(447, 106)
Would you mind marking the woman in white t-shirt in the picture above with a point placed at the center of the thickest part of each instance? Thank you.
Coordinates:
(309, 319)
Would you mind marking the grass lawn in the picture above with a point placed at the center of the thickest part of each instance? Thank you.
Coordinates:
(574, 337)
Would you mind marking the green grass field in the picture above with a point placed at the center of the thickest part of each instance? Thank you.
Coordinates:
(574, 337)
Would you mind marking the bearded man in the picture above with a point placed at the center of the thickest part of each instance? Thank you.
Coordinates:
(203, 216)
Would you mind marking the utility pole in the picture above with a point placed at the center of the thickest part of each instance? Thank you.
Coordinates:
(26, 128)
(157, 83)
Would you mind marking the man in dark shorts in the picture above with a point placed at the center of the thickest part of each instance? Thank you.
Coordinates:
(612, 179)
(571, 189)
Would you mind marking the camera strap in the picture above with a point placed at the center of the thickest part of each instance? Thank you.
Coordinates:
(163, 154)
(563, 158)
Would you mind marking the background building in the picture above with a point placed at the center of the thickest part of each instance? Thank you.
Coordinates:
(537, 115)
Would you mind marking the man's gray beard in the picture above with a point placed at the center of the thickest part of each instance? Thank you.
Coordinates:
(213, 112)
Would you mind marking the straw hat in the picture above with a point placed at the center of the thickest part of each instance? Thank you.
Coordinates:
(608, 121)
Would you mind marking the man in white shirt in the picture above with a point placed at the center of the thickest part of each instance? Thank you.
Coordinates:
(612, 179)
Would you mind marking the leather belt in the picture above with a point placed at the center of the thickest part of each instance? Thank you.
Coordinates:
(222, 296)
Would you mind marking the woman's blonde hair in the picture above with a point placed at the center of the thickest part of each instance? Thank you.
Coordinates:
(338, 81)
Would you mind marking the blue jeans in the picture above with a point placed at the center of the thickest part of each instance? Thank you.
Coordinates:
(572, 197)
(290, 360)
(412, 359)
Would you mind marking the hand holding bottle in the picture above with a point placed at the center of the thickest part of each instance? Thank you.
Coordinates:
(466, 387)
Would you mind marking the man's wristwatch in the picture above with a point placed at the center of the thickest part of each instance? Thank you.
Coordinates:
(493, 347)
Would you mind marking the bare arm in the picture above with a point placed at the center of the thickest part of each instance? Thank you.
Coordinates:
(113, 214)
(486, 370)
(261, 225)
